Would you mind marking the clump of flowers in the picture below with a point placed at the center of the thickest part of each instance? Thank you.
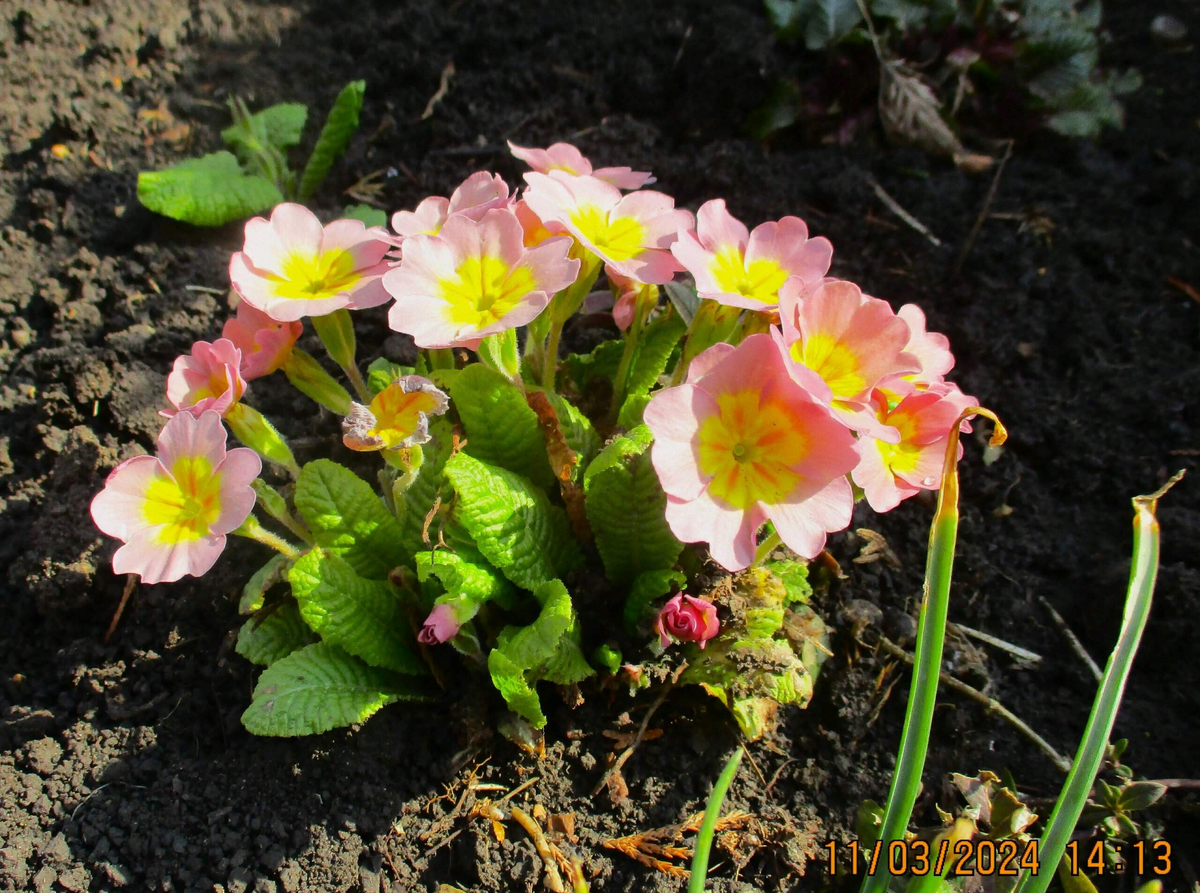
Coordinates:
(742, 402)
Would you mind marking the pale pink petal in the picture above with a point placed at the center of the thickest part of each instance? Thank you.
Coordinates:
(427, 220)
(694, 258)
(883, 492)
(118, 509)
(926, 473)
(704, 362)
(624, 309)
(717, 229)
(752, 365)
(551, 267)
(787, 244)
(624, 177)
(803, 525)
(263, 246)
(651, 267)
(298, 229)
(367, 292)
(239, 468)
(932, 349)
(801, 374)
(157, 562)
(865, 421)
(478, 194)
(186, 435)
(428, 260)
(728, 532)
(502, 236)
(366, 245)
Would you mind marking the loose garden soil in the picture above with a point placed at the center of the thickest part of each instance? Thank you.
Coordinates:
(124, 765)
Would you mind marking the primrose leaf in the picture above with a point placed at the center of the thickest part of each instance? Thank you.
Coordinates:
(255, 590)
(626, 507)
(320, 687)
(794, 577)
(207, 191)
(335, 136)
(546, 649)
(264, 640)
(368, 215)
(469, 578)
(602, 362)
(829, 21)
(501, 428)
(646, 589)
(513, 522)
(577, 429)
(415, 503)
(382, 372)
(280, 125)
(363, 617)
(654, 351)
(684, 299)
(347, 519)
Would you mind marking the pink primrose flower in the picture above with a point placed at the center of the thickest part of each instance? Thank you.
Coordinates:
(632, 233)
(173, 510)
(565, 157)
(440, 626)
(931, 350)
(207, 378)
(292, 267)
(747, 269)
(891, 472)
(265, 343)
(741, 443)
(474, 279)
(687, 619)
(479, 193)
(398, 417)
(849, 342)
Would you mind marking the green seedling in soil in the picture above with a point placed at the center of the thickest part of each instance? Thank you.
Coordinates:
(522, 508)
(712, 812)
(1038, 859)
(254, 175)
(1029, 63)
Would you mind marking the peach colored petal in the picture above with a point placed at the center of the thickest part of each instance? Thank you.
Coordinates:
(427, 219)
(117, 509)
(157, 562)
(716, 228)
(803, 525)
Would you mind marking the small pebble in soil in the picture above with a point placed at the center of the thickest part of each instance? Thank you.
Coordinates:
(900, 627)
(1167, 29)
(858, 614)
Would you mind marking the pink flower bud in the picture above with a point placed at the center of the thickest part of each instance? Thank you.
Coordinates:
(688, 620)
(440, 626)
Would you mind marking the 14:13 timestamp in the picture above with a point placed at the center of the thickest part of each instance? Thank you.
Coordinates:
(1141, 856)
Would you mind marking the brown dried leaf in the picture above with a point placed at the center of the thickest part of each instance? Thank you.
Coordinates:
(876, 549)
(622, 740)
(910, 112)
(562, 462)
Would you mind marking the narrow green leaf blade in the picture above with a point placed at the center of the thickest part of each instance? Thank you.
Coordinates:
(340, 126)
(363, 617)
(320, 687)
(348, 519)
(626, 507)
(207, 191)
(266, 640)
(513, 522)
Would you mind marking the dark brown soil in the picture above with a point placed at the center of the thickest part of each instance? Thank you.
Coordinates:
(124, 764)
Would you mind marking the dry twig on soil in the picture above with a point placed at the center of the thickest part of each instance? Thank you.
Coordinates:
(1072, 639)
(614, 771)
(655, 847)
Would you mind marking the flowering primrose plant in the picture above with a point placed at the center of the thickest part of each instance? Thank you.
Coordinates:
(741, 403)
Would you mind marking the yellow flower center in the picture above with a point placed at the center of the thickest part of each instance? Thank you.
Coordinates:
(187, 504)
(750, 450)
(484, 291)
(617, 238)
(307, 277)
(760, 281)
(397, 414)
(836, 363)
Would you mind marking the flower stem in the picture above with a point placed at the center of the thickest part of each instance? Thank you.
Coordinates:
(360, 385)
(632, 338)
(562, 306)
(440, 358)
(252, 529)
(766, 547)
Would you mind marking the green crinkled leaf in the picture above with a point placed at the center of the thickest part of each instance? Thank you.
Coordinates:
(626, 507)
(340, 126)
(347, 519)
(363, 617)
(279, 125)
(382, 372)
(320, 687)
(794, 577)
(657, 342)
(417, 501)
(512, 522)
(264, 640)
(469, 577)
(255, 590)
(368, 215)
(207, 191)
(546, 649)
(577, 428)
(829, 21)
(647, 589)
(501, 428)
(632, 411)
(602, 362)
